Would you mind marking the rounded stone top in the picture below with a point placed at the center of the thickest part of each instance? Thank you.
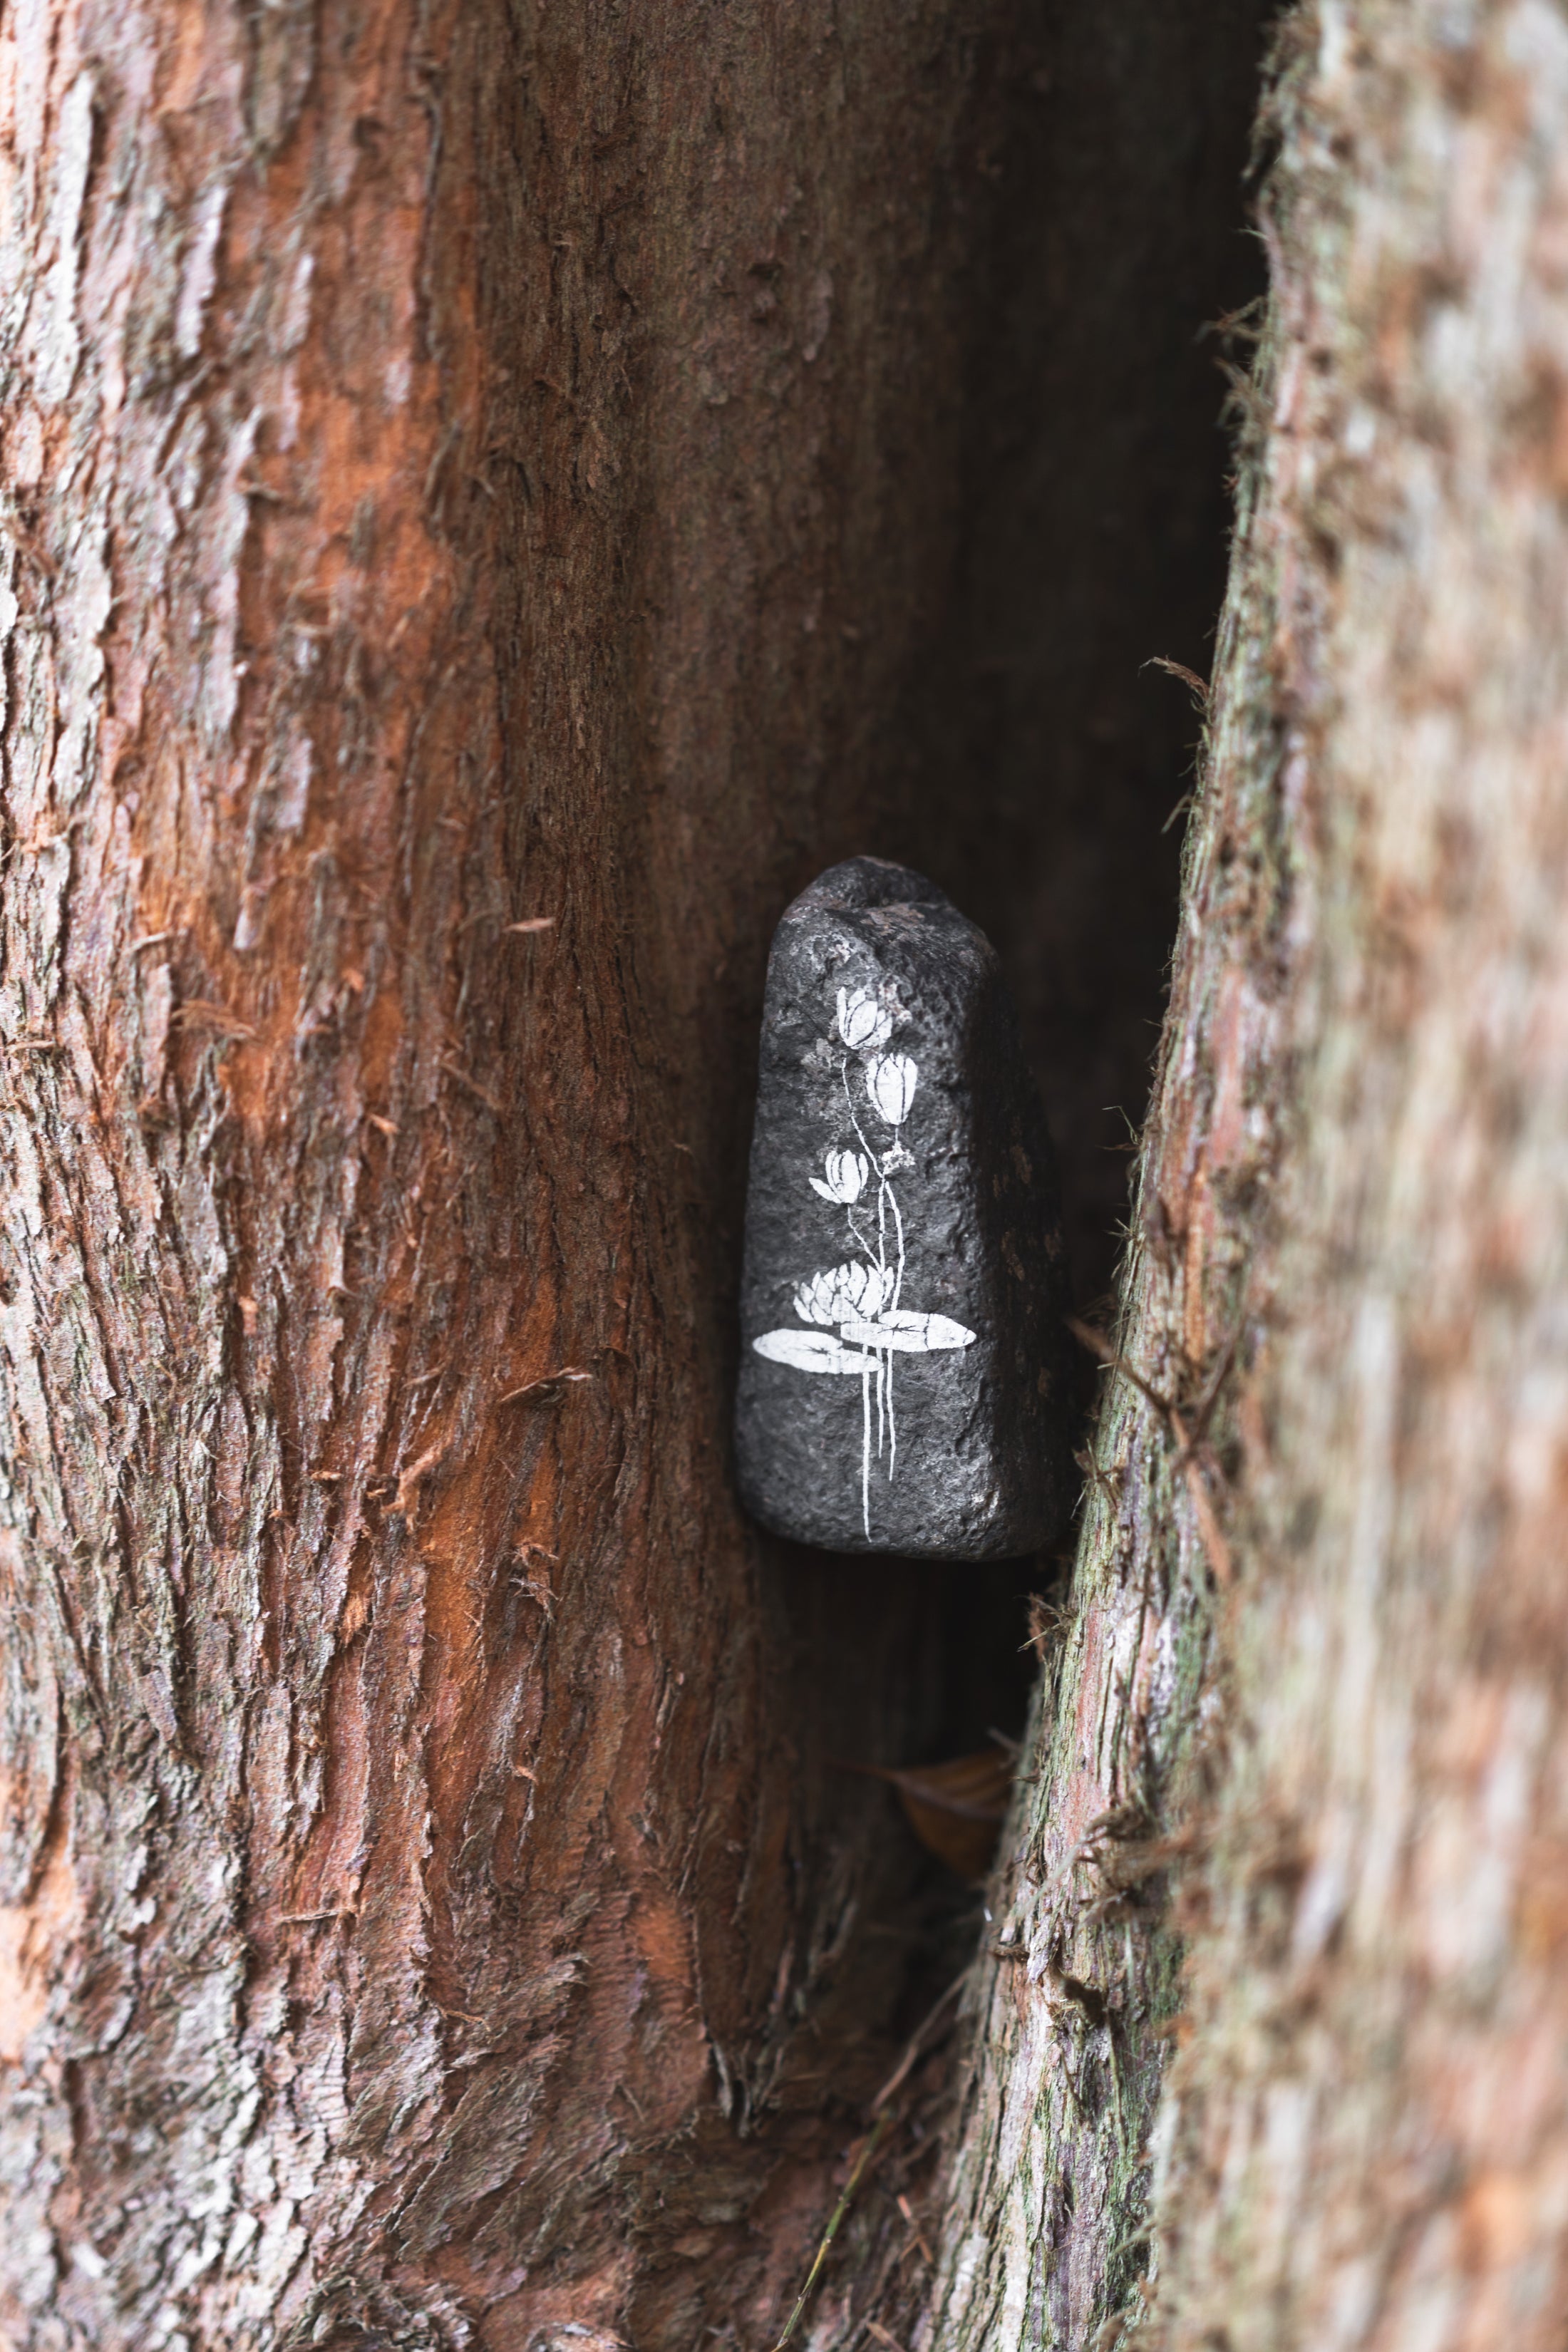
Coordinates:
(867, 882)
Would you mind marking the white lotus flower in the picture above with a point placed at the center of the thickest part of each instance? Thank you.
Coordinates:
(863, 1024)
(890, 1082)
(850, 1293)
(847, 1176)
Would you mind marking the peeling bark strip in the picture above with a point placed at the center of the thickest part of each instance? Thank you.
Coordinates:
(1347, 1276)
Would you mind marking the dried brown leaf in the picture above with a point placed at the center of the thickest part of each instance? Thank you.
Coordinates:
(956, 1808)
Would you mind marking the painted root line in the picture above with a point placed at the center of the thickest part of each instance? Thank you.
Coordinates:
(857, 1324)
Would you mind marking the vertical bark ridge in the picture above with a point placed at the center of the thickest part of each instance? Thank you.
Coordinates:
(1308, 1678)
(1366, 2144)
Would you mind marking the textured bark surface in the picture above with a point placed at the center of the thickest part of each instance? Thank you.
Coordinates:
(494, 500)
(1314, 1674)
(405, 1830)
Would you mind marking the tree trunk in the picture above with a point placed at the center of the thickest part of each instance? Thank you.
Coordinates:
(495, 500)
(1313, 1674)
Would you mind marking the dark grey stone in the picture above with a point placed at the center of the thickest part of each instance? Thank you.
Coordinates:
(903, 1382)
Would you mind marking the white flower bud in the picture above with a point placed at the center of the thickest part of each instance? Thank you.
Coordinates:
(890, 1082)
(847, 1174)
(863, 1024)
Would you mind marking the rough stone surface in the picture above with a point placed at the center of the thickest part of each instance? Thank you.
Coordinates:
(901, 1385)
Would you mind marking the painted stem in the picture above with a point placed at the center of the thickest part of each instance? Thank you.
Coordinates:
(866, 1439)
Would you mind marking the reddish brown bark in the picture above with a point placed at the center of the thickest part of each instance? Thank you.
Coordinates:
(488, 499)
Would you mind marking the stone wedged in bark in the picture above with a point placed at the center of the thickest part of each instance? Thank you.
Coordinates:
(902, 1383)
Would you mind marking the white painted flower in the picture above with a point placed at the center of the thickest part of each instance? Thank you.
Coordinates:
(863, 1024)
(847, 1177)
(890, 1082)
(850, 1293)
(855, 1325)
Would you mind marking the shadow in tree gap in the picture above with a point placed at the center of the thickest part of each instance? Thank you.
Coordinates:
(1040, 764)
